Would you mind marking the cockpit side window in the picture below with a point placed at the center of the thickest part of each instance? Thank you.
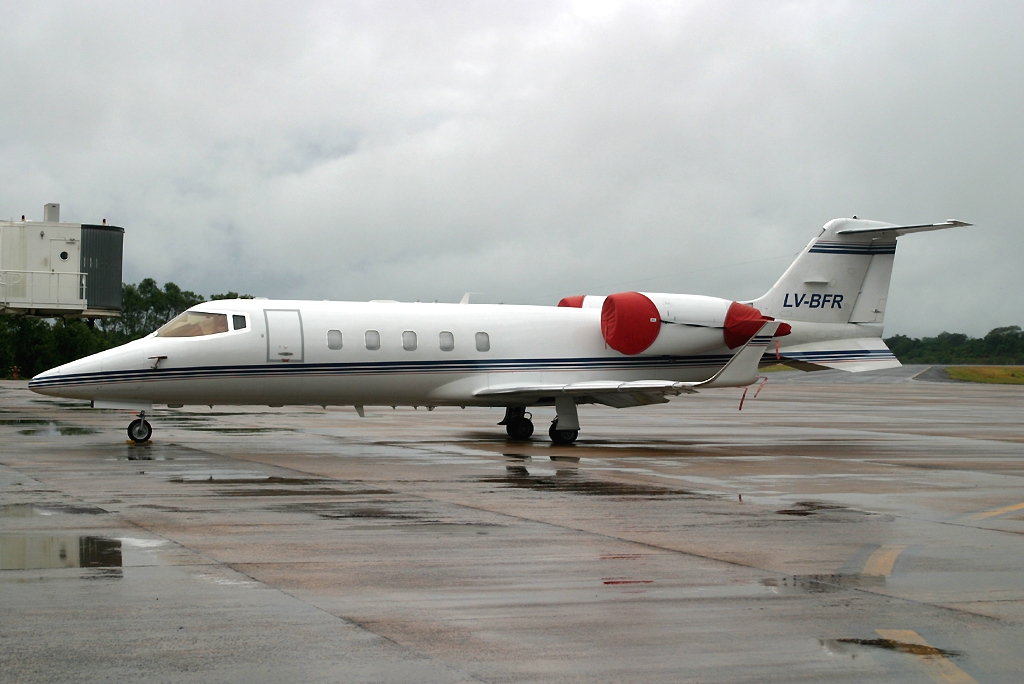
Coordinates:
(195, 324)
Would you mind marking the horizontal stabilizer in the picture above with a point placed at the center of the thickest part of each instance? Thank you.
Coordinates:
(896, 231)
(854, 355)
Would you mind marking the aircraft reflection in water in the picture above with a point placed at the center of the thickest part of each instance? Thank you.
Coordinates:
(621, 350)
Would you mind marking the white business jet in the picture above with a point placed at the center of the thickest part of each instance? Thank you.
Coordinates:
(621, 350)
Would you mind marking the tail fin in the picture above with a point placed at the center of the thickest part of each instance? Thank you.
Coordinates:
(842, 276)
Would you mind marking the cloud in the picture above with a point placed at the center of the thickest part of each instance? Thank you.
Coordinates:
(527, 151)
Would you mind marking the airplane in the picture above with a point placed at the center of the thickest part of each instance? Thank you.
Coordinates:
(621, 350)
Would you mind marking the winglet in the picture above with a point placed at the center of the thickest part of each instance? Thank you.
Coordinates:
(741, 370)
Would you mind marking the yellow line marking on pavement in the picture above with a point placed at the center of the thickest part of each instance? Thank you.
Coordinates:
(998, 511)
(940, 668)
(879, 564)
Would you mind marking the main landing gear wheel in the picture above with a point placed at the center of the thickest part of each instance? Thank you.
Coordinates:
(520, 429)
(518, 423)
(562, 436)
(140, 431)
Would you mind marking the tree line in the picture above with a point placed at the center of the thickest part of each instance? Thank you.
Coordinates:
(31, 345)
(1001, 346)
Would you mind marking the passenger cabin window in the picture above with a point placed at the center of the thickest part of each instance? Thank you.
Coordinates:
(372, 340)
(409, 340)
(447, 341)
(194, 324)
(238, 322)
(334, 339)
(483, 342)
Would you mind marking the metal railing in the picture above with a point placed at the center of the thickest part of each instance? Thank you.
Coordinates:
(43, 290)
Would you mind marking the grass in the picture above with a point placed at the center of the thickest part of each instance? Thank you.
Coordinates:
(998, 375)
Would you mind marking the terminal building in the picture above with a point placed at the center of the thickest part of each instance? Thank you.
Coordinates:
(49, 268)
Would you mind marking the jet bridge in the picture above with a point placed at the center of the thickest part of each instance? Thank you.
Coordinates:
(50, 268)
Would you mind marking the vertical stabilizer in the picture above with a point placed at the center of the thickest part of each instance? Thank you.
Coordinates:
(842, 276)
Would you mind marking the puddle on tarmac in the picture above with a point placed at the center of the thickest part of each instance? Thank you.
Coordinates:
(239, 430)
(570, 480)
(357, 511)
(37, 552)
(283, 486)
(281, 492)
(142, 452)
(252, 480)
(47, 427)
(891, 645)
(824, 584)
(371, 512)
(804, 508)
(54, 430)
(29, 510)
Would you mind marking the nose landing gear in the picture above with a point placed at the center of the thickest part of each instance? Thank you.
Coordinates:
(140, 430)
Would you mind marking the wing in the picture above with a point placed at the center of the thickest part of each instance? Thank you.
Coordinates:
(617, 394)
(741, 369)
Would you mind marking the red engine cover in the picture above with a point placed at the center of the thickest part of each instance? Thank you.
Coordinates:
(742, 322)
(630, 322)
(574, 301)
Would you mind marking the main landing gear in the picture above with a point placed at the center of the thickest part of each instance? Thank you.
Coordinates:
(565, 428)
(518, 423)
(140, 430)
(561, 437)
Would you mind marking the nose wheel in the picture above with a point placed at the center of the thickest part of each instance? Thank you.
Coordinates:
(139, 430)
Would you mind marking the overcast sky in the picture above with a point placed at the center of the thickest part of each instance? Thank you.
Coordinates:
(528, 150)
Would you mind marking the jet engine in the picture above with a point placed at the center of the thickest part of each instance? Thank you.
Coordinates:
(658, 324)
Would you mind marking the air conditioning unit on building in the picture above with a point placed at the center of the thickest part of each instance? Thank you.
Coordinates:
(49, 268)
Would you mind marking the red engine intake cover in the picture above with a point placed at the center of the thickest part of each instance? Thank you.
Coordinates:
(630, 322)
(575, 301)
(742, 322)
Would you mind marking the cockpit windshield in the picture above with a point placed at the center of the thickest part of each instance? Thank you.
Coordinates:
(194, 324)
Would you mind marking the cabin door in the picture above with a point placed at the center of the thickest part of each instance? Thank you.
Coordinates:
(284, 335)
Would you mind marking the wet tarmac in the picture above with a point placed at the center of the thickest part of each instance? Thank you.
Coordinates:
(840, 528)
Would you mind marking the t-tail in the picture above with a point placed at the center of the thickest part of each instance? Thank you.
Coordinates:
(834, 296)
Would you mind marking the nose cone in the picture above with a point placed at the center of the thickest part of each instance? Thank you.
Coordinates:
(43, 383)
(66, 380)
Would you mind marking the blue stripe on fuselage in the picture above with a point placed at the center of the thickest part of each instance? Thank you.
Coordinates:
(382, 368)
